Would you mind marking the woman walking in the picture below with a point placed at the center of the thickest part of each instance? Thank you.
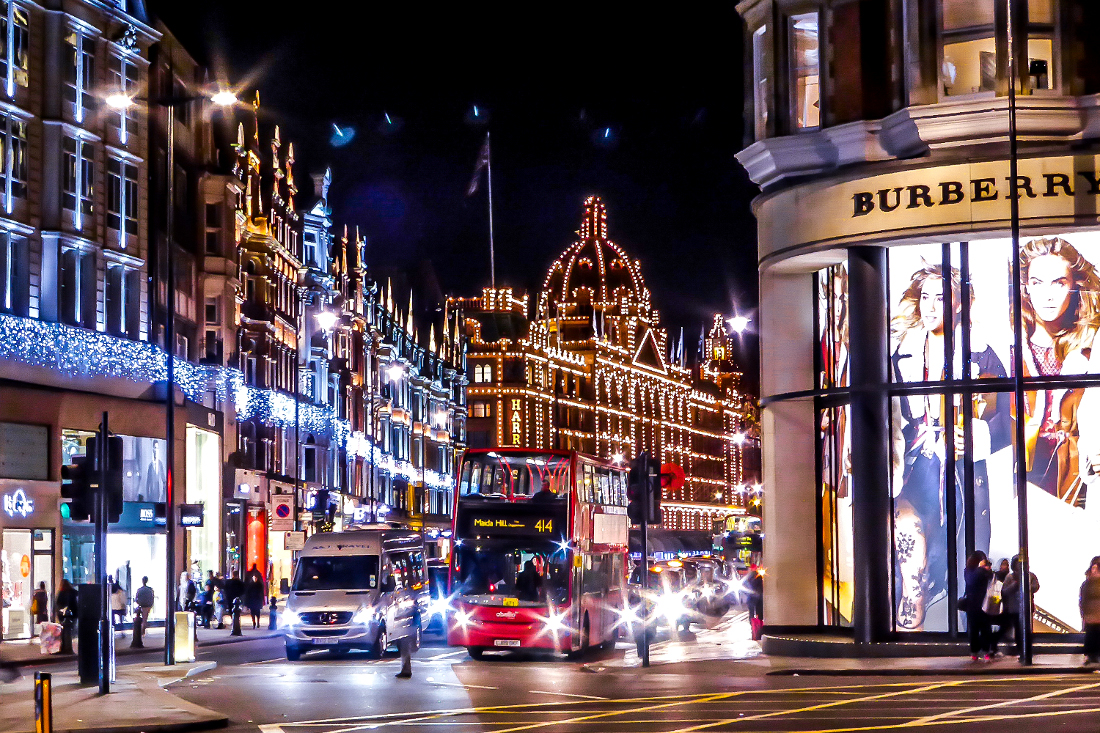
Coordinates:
(1090, 611)
(977, 577)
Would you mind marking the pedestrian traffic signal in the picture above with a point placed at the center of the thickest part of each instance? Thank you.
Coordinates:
(112, 475)
(643, 491)
(75, 488)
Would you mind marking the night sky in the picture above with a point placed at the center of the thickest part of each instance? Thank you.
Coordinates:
(644, 111)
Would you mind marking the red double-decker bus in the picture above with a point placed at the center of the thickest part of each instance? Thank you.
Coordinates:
(540, 551)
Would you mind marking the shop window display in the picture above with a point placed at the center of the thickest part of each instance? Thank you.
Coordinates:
(834, 447)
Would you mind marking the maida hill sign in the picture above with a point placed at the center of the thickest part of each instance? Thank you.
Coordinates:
(947, 202)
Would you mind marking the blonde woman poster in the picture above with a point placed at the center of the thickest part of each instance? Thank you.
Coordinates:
(923, 432)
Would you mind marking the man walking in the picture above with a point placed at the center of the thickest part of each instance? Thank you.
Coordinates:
(144, 598)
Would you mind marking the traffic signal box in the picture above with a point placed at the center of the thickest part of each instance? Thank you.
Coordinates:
(80, 481)
(644, 491)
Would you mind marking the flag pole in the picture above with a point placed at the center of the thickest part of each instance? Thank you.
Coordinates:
(492, 251)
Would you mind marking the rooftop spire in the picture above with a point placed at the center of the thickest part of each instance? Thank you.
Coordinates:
(594, 223)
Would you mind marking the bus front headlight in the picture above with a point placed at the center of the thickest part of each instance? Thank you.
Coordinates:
(363, 615)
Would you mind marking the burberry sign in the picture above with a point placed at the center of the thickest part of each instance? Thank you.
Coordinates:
(977, 190)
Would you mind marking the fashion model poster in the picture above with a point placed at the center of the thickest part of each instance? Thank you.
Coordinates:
(1061, 314)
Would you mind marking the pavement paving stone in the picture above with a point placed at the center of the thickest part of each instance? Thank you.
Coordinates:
(137, 703)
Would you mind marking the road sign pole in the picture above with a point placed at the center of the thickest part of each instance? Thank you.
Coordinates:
(101, 457)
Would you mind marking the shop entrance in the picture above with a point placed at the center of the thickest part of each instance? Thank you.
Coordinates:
(26, 559)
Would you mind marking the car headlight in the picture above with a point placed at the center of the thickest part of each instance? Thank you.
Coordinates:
(288, 619)
(363, 615)
(438, 607)
(671, 606)
(554, 623)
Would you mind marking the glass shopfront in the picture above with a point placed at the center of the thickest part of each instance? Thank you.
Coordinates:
(28, 526)
(204, 487)
(953, 457)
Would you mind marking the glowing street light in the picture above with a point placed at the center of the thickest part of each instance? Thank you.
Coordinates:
(738, 438)
(618, 458)
(738, 323)
(326, 320)
(122, 100)
(224, 98)
(394, 372)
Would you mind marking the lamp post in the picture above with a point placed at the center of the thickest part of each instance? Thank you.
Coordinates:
(121, 101)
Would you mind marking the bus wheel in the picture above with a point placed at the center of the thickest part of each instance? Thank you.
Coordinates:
(476, 653)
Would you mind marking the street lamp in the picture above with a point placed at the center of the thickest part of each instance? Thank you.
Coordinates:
(326, 320)
(122, 101)
(738, 323)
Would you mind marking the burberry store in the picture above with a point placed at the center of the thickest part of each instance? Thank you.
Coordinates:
(887, 332)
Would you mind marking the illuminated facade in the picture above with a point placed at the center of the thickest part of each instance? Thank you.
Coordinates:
(594, 371)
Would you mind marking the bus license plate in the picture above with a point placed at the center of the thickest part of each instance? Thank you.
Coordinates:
(506, 642)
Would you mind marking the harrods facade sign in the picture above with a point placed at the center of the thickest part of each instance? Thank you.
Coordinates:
(968, 200)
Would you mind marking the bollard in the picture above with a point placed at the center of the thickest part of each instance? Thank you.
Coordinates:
(236, 618)
(43, 703)
(139, 629)
(273, 614)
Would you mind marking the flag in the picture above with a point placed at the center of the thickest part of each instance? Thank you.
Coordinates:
(482, 162)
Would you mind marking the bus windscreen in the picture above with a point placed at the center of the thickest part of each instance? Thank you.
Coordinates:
(539, 476)
(535, 572)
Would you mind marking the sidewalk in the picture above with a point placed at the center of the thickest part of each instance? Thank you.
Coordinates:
(727, 649)
(137, 704)
(28, 652)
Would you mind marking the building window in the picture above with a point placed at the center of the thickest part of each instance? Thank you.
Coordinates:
(122, 197)
(213, 229)
(805, 65)
(79, 74)
(761, 89)
(212, 310)
(79, 171)
(213, 344)
(123, 80)
(13, 160)
(14, 47)
(182, 346)
(14, 283)
(78, 288)
(310, 256)
(480, 409)
(122, 301)
(483, 373)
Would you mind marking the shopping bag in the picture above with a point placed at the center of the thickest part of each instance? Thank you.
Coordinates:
(49, 638)
(757, 628)
(992, 603)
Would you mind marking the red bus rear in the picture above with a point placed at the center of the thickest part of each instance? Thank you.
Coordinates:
(540, 546)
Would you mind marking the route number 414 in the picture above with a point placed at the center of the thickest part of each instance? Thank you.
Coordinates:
(544, 525)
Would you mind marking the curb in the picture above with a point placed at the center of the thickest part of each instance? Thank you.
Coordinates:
(127, 651)
(210, 724)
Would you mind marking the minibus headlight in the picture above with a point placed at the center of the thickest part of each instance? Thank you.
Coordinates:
(363, 615)
(288, 619)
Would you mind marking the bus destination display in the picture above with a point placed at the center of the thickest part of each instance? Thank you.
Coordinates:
(497, 525)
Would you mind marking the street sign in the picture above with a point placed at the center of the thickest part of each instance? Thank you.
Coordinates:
(282, 513)
(294, 540)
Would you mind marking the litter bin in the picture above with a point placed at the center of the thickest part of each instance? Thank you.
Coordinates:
(185, 636)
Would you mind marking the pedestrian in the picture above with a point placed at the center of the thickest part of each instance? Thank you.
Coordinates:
(181, 594)
(209, 589)
(144, 598)
(254, 595)
(1003, 570)
(754, 588)
(1090, 611)
(405, 645)
(65, 603)
(40, 604)
(977, 577)
(118, 605)
(234, 589)
(1010, 597)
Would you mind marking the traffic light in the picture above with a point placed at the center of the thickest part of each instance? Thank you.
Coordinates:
(637, 486)
(75, 487)
(113, 474)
